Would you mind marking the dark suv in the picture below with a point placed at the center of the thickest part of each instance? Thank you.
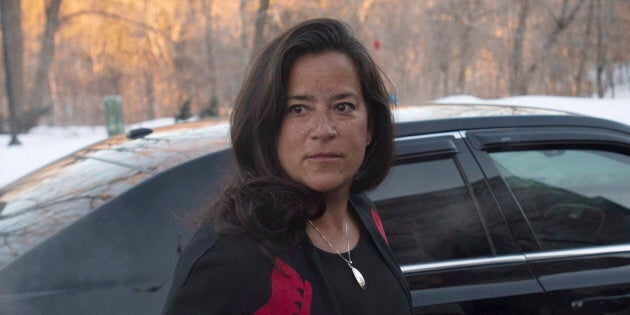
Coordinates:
(527, 212)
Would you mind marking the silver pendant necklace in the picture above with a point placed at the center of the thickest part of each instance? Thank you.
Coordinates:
(355, 272)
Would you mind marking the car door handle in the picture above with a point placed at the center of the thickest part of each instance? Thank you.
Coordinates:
(579, 303)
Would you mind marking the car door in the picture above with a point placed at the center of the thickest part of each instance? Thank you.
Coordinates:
(566, 194)
(449, 235)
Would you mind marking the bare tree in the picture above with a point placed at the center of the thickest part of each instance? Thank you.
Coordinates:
(207, 10)
(579, 77)
(261, 18)
(242, 10)
(40, 95)
(516, 55)
(469, 33)
(601, 51)
(561, 23)
(12, 46)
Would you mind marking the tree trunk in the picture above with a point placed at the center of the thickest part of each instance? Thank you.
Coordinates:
(12, 46)
(516, 56)
(465, 56)
(244, 43)
(40, 95)
(610, 76)
(562, 23)
(444, 68)
(212, 82)
(149, 90)
(261, 18)
(601, 52)
(584, 50)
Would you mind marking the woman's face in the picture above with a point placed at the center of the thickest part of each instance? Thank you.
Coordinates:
(324, 133)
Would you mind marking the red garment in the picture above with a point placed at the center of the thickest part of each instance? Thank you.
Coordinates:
(289, 293)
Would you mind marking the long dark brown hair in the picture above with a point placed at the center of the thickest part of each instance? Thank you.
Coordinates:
(262, 202)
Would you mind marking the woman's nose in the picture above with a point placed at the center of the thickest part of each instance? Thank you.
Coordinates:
(323, 127)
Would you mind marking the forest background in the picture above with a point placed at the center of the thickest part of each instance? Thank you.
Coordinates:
(168, 58)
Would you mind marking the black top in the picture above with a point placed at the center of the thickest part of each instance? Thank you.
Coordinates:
(382, 295)
(219, 274)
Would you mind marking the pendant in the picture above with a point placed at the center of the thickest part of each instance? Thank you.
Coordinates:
(357, 275)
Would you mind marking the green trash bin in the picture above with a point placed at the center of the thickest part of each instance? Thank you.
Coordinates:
(114, 115)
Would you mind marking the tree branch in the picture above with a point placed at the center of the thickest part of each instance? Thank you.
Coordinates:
(553, 16)
(139, 24)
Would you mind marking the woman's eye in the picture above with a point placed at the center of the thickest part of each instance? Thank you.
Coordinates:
(344, 107)
(296, 109)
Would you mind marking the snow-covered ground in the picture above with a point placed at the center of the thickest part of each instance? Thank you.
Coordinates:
(43, 145)
(46, 144)
(614, 109)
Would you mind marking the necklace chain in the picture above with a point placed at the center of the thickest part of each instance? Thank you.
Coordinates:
(345, 220)
(355, 272)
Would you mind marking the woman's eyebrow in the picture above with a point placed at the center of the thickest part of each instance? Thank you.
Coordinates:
(343, 95)
(308, 97)
(300, 97)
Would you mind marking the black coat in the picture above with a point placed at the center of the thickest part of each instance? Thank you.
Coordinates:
(220, 274)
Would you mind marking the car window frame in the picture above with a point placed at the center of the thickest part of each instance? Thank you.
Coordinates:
(485, 141)
(442, 146)
(506, 261)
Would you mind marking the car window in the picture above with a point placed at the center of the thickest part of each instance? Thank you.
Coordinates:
(572, 198)
(428, 213)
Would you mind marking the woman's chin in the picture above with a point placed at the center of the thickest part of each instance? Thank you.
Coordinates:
(329, 187)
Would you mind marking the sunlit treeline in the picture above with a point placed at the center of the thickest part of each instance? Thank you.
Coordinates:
(160, 54)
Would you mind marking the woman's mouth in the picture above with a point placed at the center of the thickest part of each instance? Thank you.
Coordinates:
(324, 157)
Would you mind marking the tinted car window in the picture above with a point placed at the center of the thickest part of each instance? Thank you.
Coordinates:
(572, 198)
(428, 213)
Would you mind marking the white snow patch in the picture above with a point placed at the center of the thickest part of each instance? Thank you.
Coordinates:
(614, 109)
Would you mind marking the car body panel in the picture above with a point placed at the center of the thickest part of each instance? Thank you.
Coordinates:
(124, 253)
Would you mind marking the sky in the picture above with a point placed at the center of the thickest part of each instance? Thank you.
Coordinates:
(43, 145)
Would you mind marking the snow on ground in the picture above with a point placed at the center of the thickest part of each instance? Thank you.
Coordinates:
(43, 145)
(46, 144)
(614, 109)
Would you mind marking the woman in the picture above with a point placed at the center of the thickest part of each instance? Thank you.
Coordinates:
(293, 233)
